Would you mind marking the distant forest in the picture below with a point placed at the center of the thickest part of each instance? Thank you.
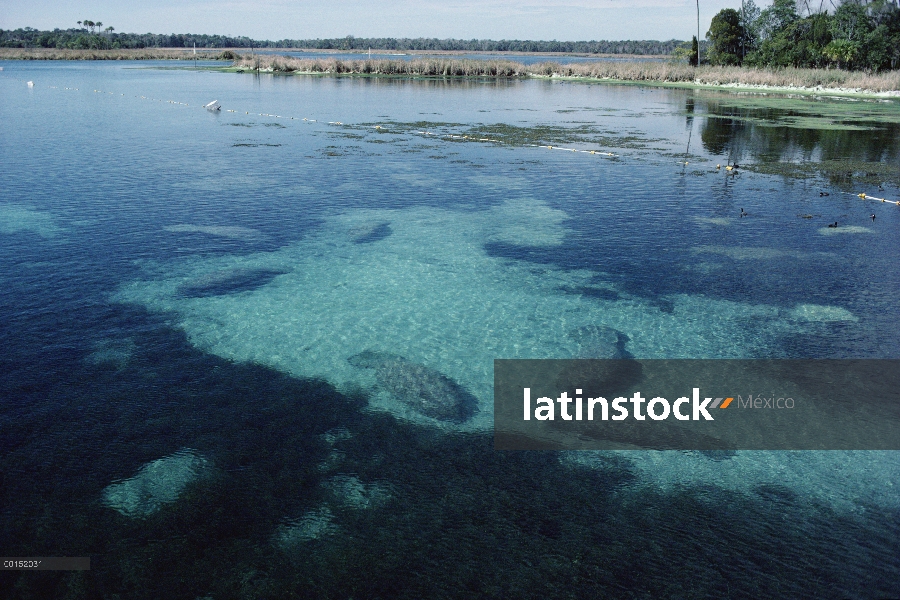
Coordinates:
(86, 38)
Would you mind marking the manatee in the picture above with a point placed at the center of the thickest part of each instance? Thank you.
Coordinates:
(616, 372)
(228, 281)
(366, 234)
(244, 234)
(424, 389)
(599, 341)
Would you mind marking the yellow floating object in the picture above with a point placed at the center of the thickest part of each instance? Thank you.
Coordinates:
(863, 196)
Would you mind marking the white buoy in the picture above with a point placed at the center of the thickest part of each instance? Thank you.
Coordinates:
(30, 84)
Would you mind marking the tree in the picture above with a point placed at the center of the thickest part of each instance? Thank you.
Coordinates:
(776, 18)
(749, 17)
(725, 35)
(850, 29)
(694, 57)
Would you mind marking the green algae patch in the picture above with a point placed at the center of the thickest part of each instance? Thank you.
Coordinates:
(513, 135)
(847, 175)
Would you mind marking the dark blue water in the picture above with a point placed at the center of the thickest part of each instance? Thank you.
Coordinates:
(182, 290)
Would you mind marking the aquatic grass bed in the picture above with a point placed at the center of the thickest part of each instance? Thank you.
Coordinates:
(515, 135)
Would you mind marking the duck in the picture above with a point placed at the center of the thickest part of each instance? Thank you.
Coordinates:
(823, 194)
(873, 216)
(833, 224)
(744, 214)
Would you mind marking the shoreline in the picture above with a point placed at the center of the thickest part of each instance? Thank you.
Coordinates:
(444, 66)
(810, 82)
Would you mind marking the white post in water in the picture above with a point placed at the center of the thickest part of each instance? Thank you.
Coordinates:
(195, 48)
(698, 33)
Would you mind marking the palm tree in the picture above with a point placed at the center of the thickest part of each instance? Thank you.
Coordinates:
(99, 24)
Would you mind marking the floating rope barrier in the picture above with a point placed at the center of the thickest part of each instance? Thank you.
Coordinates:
(864, 196)
(379, 127)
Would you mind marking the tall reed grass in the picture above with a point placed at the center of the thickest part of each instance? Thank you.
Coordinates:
(665, 72)
(428, 67)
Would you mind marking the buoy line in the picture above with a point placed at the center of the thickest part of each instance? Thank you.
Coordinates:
(864, 196)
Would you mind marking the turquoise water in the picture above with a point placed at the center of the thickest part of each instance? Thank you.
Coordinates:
(182, 290)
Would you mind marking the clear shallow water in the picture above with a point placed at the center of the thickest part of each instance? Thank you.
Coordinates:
(182, 291)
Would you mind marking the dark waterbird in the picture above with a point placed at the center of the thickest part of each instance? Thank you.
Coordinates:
(833, 224)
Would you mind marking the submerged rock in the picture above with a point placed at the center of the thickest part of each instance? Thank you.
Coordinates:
(424, 389)
(228, 281)
(158, 482)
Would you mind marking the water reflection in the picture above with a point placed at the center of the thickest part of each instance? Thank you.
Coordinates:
(820, 134)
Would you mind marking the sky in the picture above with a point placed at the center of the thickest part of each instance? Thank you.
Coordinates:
(567, 20)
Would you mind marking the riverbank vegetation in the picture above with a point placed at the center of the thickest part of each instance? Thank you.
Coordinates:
(846, 34)
(642, 71)
(114, 54)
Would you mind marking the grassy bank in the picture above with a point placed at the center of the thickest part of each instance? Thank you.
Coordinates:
(644, 71)
(120, 54)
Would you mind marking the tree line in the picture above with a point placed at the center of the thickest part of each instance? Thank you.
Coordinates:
(86, 38)
(848, 34)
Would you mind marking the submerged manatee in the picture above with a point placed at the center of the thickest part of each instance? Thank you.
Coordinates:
(366, 234)
(615, 373)
(599, 341)
(228, 281)
(427, 391)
